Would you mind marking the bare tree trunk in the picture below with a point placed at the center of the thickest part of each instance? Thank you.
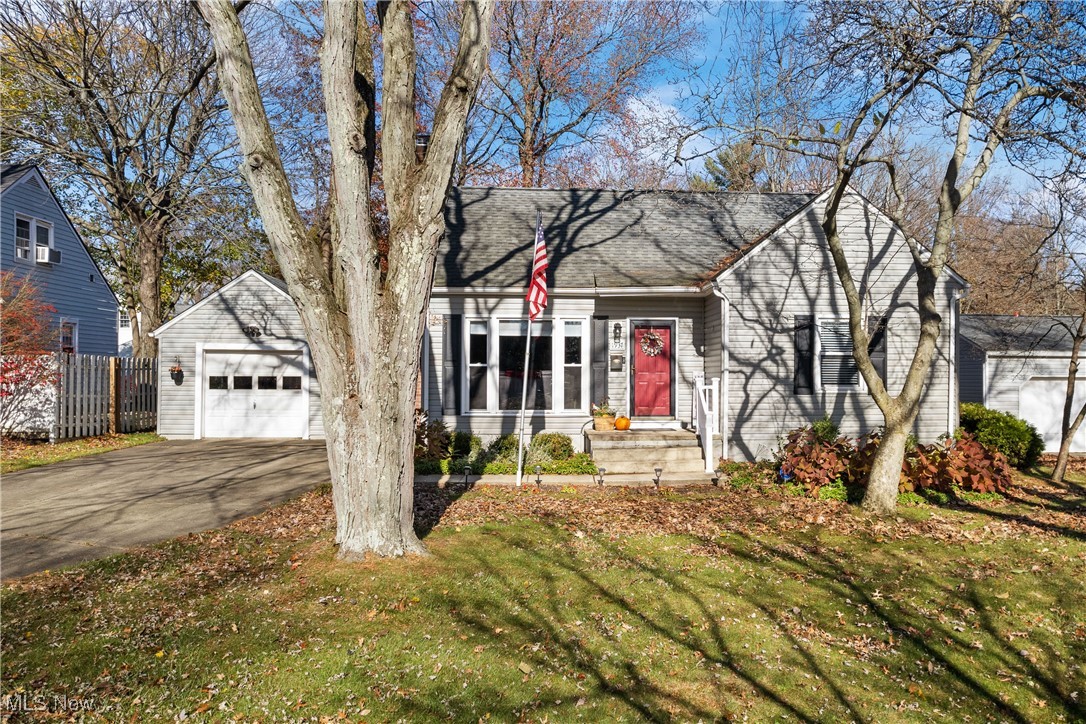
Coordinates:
(149, 248)
(363, 320)
(885, 478)
(1069, 426)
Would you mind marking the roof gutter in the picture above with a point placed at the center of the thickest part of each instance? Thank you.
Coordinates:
(668, 291)
(725, 361)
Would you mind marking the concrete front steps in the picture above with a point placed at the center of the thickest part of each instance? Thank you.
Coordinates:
(637, 453)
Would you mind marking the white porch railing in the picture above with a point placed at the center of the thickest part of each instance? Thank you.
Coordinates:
(707, 417)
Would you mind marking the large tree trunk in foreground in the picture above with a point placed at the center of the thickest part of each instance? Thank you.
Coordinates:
(363, 313)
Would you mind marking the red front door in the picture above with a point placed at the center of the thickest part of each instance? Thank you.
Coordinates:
(652, 369)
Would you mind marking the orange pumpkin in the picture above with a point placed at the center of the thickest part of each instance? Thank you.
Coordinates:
(622, 423)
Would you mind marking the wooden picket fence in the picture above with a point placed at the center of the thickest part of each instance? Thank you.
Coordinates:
(98, 395)
(135, 384)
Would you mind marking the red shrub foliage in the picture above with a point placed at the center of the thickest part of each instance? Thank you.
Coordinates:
(812, 462)
(961, 463)
(953, 463)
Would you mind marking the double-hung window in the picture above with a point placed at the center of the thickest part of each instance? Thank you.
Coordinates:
(573, 363)
(33, 238)
(23, 235)
(494, 379)
(69, 337)
(512, 336)
(836, 365)
(478, 354)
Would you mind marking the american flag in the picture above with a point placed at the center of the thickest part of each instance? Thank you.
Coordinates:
(537, 284)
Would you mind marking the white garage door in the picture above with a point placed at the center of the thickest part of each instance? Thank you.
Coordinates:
(254, 395)
(1041, 404)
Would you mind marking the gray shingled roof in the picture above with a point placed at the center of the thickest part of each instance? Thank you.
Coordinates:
(12, 172)
(1004, 333)
(602, 238)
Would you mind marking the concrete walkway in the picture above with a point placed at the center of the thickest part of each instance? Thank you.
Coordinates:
(66, 513)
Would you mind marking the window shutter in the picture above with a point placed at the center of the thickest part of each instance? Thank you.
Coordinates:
(803, 379)
(452, 355)
(599, 359)
(876, 347)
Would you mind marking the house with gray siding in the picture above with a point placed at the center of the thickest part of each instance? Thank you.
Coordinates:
(653, 296)
(1019, 364)
(39, 242)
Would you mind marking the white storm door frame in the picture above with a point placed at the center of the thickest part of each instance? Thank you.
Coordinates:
(203, 348)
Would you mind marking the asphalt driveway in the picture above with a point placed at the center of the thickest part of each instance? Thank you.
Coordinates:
(78, 510)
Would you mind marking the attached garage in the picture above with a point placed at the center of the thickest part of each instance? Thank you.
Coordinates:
(1019, 365)
(236, 365)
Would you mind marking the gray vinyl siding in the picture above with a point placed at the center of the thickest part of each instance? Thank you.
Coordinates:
(1007, 373)
(792, 275)
(970, 371)
(220, 320)
(74, 287)
(689, 344)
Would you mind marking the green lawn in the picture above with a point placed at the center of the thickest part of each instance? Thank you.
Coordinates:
(20, 455)
(701, 604)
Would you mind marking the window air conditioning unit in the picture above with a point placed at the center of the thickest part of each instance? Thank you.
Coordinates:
(45, 255)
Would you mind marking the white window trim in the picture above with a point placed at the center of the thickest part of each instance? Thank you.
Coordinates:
(859, 386)
(75, 333)
(34, 224)
(558, 381)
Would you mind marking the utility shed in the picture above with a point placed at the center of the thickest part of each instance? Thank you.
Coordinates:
(236, 364)
(1019, 365)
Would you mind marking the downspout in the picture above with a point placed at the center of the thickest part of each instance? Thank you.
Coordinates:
(725, 325)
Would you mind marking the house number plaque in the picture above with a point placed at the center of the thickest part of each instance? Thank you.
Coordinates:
(616, 336)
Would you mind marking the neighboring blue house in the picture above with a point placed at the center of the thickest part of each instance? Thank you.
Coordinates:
(37, 239)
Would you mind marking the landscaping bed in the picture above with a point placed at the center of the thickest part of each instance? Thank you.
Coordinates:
(582, 604)
(22, 454)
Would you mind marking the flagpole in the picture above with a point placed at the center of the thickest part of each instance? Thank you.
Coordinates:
(524, 401)
(537, 300)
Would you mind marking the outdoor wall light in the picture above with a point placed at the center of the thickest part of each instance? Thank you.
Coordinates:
(659, 472)
(251, 331)
(616, 332)
(538, 470)
(602, 471)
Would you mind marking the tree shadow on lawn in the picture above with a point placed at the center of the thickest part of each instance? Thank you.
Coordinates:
(690, 615)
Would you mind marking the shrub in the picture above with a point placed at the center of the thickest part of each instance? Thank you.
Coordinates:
(465, 445)
(812, 463)
(577, 464)
(504, 447)
(825, 430)
(431, 438)
(960, 463)
(1010, 435)
(549, 446)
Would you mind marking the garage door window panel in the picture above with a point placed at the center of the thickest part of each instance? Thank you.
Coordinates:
(266, 382)
(243, 383)
(217, 382)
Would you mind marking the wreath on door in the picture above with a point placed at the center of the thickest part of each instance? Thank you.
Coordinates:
(652, 344)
